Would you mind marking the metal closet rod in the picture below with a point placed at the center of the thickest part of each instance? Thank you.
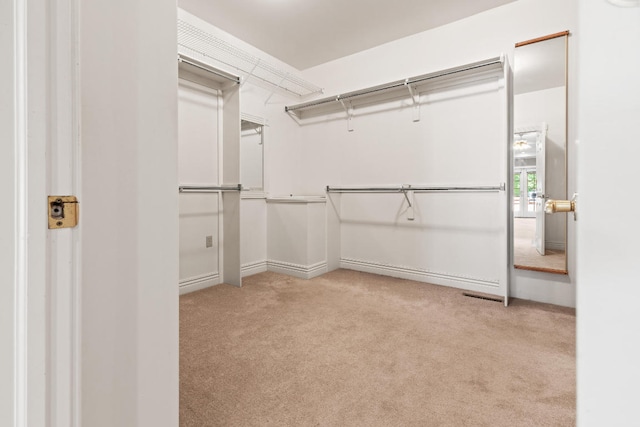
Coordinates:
(398, 84)
(204, 67)
(416, 189)
(208, 188)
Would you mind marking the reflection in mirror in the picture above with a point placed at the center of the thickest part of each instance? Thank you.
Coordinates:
(252, 156)
(539, 153)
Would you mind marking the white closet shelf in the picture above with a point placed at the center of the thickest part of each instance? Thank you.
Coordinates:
(409, 87)
(198, 72)
(297, 199)
(207, 48)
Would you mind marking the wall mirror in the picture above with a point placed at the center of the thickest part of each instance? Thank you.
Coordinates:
(540, 152)
(252, 154)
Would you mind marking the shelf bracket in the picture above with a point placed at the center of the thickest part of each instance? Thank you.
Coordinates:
(348, 108)
(408, 195)
(415, 99)
(278, 86)
(244, 80)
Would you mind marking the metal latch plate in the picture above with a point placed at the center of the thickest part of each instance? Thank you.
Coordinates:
(63, 211)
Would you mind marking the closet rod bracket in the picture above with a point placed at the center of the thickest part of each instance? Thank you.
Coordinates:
(415, 99)
(408, 195)
(348, 108)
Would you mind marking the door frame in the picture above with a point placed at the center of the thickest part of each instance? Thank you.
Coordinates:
(41, 346)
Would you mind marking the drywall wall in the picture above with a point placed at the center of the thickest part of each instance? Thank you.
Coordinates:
(608, 253)
(253, 236)
(302, 160)
(252, 160)
(198, 164)
(329, 155)
(8, 190)
(453, 238)
(259, 102)
(129, 213)
(297, 236)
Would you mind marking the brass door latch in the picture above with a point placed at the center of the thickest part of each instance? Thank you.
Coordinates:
(63, 211)
(554, 206)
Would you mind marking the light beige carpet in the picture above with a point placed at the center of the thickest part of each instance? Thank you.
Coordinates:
(357, 349)
(525, 253)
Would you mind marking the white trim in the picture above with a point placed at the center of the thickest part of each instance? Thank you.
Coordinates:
(556, 246)
(197, 283)
(76, 319)
(297, 270)
(422, 275)
(255, 267)
(21, 217)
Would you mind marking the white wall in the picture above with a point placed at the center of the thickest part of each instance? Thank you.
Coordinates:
(297, 236)
(7, 216)
(198, 164)
(608, 253)
(481, 36)
(283, 160)
(129, 213)
(459, 141)
(300, 161)
(253, 236)
(252, 159)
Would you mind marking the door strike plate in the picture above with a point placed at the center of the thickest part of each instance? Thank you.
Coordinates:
(63, 211)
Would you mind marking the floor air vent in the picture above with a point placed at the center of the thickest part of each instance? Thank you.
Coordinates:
(486, 297)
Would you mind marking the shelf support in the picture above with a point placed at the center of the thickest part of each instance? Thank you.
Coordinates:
(415, 99)
(278, 86)
(244, 80)
(348, 108)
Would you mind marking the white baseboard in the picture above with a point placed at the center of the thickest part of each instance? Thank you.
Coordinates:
(252, 268)
(554, 246)
(420, 275)
(297, 270)
(193, 284)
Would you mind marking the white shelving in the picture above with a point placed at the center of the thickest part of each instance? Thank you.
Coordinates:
(410, 87)
(207, 48)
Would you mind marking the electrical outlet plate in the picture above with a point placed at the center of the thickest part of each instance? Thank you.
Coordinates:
(209, 241)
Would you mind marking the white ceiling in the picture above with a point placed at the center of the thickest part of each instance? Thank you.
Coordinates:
(305, 33)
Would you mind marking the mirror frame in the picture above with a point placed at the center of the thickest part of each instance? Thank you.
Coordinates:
(564, 34)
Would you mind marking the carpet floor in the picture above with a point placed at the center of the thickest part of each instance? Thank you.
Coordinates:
(525, 253)
(358, 349)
